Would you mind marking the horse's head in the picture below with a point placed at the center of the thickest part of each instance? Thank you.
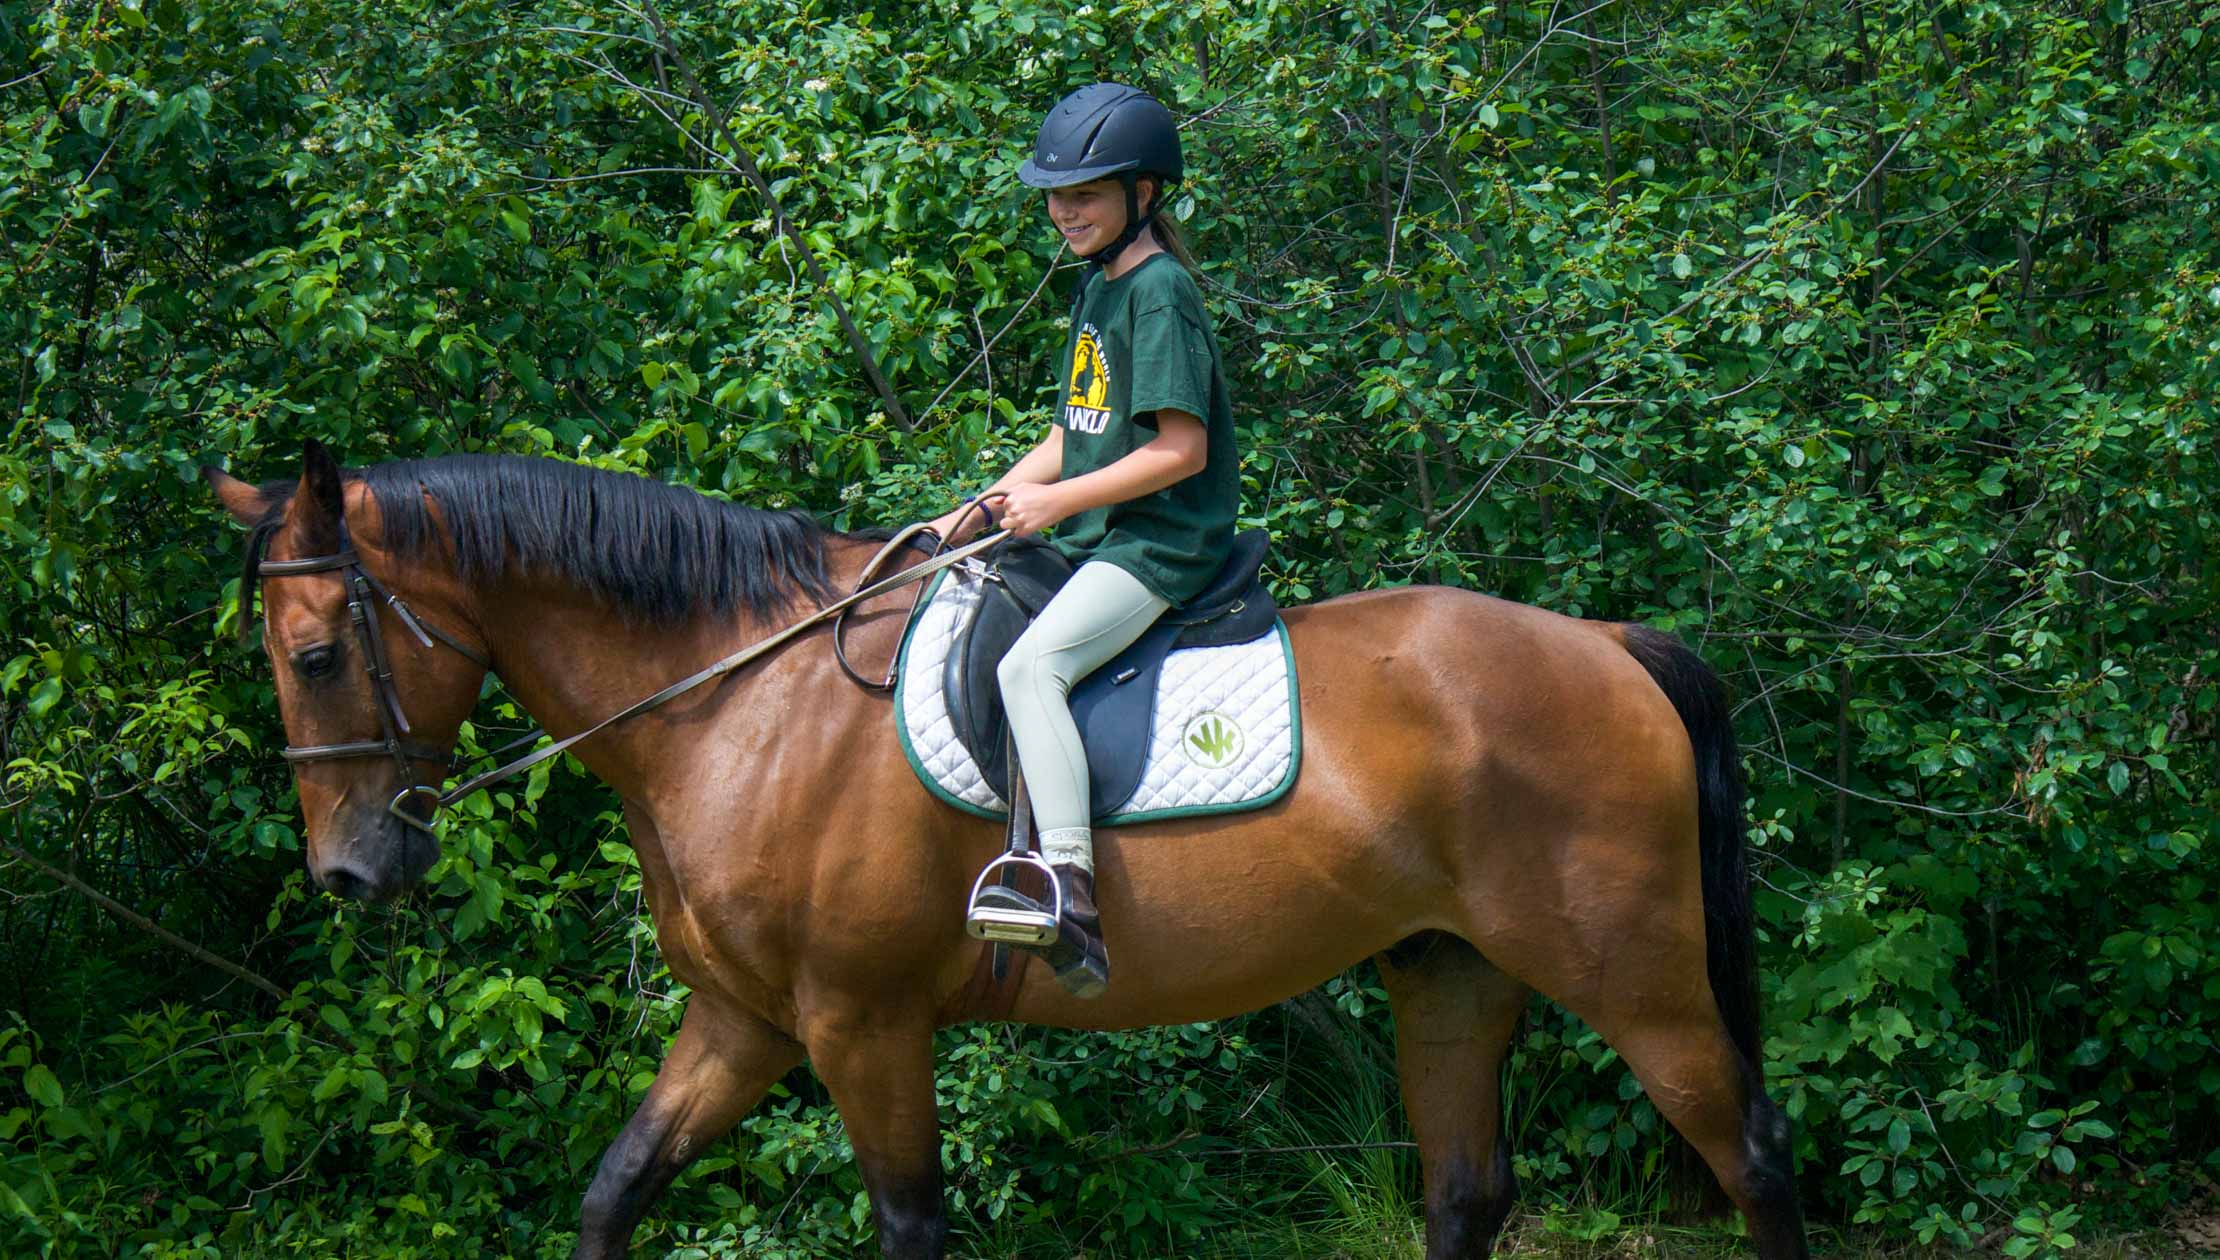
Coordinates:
(368, 751)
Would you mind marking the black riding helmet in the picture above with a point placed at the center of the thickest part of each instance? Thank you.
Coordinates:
(1107, 129)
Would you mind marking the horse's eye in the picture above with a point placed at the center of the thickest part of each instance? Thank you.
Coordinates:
(316, 662)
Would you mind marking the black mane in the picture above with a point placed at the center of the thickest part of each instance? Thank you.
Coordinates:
(659, 553)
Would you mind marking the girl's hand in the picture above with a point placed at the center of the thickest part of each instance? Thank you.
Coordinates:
(951, 532)
(1033, 508)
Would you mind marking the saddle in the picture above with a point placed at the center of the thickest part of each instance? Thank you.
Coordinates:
(1114, 705)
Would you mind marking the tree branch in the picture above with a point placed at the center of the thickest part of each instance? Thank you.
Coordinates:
(744, 162)
(141, 922)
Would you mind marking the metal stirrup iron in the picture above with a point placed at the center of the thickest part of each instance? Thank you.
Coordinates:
(998, 911)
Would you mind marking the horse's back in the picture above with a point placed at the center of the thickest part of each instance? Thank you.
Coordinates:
(1471, 662)
(1458, 751)
(1516, 720)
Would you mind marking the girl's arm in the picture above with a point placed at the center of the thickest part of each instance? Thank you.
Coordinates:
(1039, 466)
(1178, 451)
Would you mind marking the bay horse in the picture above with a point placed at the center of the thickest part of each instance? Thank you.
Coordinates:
(1494, 800)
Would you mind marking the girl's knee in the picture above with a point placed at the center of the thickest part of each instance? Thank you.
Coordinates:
(1023, 672)
(1015, 672)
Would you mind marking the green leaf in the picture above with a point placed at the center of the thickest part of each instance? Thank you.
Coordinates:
(13, 1202)
(40, 1083)
(273, 1123)
(94, 117)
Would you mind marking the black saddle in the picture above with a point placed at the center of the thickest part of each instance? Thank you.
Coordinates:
(1114, 705)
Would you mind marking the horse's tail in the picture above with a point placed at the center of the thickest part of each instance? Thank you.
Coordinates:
(1730, 945)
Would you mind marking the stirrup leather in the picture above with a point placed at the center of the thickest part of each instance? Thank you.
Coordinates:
(998, 912)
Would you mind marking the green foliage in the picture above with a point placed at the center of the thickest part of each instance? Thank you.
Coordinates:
(1871, 346)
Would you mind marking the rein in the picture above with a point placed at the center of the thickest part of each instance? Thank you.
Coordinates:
(364, 592)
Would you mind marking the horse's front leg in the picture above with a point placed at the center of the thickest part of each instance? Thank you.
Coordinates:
(879, 1068)
(718, 1068)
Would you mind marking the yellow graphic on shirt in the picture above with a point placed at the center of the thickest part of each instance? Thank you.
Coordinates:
(1087, 402)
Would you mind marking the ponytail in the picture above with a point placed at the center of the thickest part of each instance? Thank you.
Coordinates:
(1173, 238)
(1169, 233)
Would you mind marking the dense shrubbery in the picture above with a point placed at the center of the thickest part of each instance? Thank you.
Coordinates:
(1869, 346)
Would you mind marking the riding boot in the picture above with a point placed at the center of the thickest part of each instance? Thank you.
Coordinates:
(1081, 962)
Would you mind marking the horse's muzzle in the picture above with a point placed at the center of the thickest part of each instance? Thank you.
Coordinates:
(386, 858)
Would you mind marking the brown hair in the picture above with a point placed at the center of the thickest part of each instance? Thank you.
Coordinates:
(1169, 233)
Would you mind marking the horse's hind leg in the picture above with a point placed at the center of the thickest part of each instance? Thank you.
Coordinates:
(1454, 1016)
(1700, 1083)
(1651, 1003)
(718, 1068)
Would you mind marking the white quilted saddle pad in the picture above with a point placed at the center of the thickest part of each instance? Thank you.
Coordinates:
(1225, 736)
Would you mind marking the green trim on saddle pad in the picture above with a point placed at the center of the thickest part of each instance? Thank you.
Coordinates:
(917, 765)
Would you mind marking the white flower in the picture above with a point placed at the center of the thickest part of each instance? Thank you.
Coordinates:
(815, 85)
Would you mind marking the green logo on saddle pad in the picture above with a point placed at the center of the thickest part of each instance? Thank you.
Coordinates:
(1211, 740)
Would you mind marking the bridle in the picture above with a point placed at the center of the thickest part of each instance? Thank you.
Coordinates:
(364, 593)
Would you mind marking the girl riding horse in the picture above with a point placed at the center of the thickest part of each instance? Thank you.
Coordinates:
(1139, 468)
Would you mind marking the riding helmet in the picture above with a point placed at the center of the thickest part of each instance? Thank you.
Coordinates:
(1107, 129)
(1104, 129)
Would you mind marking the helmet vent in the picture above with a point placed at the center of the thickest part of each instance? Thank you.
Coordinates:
(1087, 148)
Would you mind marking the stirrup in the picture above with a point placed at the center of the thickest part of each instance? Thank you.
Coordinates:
(1005, 916)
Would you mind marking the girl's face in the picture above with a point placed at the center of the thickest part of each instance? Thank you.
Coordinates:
(1091, 215)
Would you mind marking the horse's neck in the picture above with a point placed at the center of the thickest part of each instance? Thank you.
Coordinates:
(571, 661)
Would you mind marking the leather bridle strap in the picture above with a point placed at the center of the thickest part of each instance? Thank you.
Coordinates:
(914, 573)
(424, 631)
(908, 537)
(363, 596)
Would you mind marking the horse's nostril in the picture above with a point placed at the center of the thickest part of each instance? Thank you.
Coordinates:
(345, 883)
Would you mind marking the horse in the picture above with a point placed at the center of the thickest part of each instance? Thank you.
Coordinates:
(1494, 800)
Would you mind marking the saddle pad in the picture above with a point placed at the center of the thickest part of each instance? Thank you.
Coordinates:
(1226, 734)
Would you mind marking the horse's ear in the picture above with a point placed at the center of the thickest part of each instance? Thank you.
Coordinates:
(246, 503)
(319, 502)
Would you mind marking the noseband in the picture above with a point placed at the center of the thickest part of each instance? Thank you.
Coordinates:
(363, 596)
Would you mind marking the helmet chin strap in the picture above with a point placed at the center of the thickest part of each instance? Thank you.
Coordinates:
(1135, 222)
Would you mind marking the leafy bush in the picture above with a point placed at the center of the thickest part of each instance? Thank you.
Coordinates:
(1869, 346)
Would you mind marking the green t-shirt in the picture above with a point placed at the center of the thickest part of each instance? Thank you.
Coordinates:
(1138, 343)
